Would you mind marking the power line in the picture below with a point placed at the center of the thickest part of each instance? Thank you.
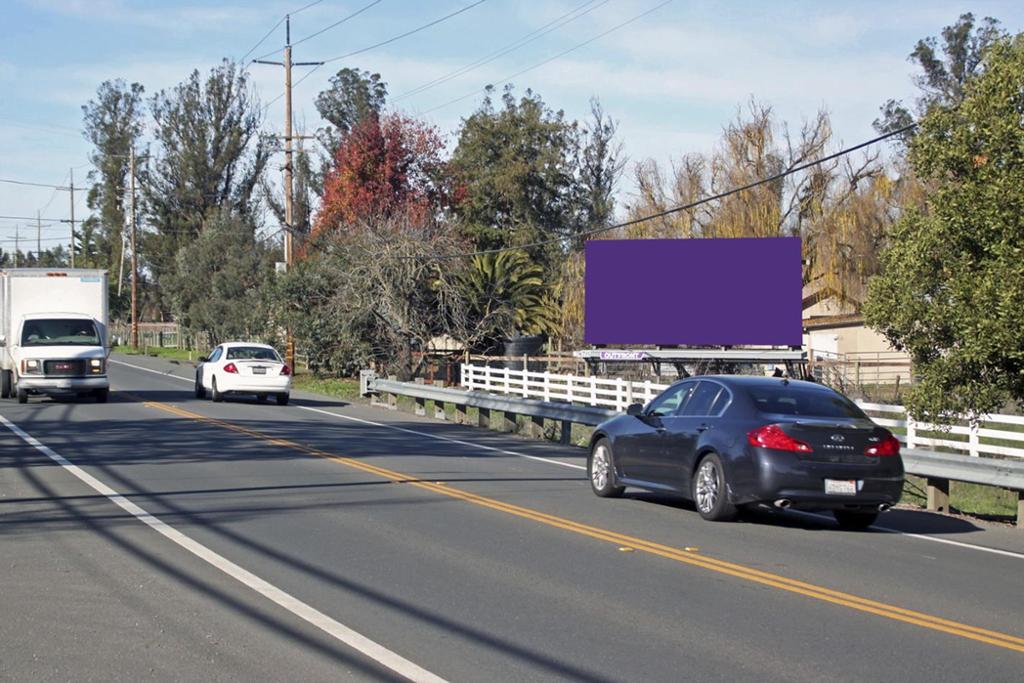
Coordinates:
(553, 58)
(260, 41)
(406, 34)
(376, 45)
(25, 182)
(667, 212)
(579, 12)
(325, 29)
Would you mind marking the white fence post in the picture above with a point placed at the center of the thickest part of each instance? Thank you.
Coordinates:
(570, 382)
(593, 390)
(911, 431)
(547, 387)
(629, 393)
(526, 380)
(972, 440)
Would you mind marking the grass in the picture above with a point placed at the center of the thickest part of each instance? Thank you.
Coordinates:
(343, 388)
(158, 352)
(986, 502)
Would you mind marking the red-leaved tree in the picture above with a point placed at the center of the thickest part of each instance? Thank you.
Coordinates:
(386, 166)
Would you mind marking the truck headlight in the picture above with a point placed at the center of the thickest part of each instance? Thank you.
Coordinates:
(31, 365)
(96, 366)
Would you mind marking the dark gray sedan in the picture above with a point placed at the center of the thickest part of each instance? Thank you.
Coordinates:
(732, 441)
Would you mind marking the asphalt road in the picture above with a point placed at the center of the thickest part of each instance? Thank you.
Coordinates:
(323, 541)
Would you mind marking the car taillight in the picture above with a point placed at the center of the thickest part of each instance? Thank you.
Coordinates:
(772, 436)
(285, 370)
(888, 446)
(230, 367)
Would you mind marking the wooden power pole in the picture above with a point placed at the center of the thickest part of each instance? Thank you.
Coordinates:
(72, 221)
(135, 258)
(289, 223)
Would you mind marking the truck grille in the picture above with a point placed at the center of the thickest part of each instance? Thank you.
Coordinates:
(64, 368)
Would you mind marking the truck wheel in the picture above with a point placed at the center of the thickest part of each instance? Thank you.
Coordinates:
(5, 384)
(101, 395)
(216, 395)
(22, 396)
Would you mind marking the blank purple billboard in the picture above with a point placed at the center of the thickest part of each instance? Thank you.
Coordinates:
(699, 292)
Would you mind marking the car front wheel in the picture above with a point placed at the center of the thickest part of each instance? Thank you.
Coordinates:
(709, 491)
(200, 391)
(601, 468)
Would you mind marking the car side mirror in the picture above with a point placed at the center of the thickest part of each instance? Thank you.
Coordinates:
(203, 359)
(635, 409)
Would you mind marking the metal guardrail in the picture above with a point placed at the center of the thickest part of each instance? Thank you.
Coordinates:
(937, 468)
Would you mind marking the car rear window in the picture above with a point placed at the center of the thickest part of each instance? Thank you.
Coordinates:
(791, 400)
(252, 353)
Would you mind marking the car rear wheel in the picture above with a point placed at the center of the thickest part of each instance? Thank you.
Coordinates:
(215, 393)
(282, 399)
(709, 491)
(601, 468)
(854, 521)
(261, 397)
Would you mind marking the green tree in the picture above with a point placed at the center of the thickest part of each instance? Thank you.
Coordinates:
(517, 165)
(352, 96)
(600, 166)
(945, 69)
(209, 159)
(505, 294)
(113, 123)
(952, 289)
(217, 286)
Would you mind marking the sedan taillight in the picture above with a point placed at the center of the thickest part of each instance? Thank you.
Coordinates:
(285, 370)
(231, 368)
(772, 436)
(887, 447)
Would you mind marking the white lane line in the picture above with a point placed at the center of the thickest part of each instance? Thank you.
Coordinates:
(337, 630)
(923, 537)
(392, 427)
(449, 439)
(155, 372)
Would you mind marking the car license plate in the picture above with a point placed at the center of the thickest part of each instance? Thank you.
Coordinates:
(259, 371)
(841, 487)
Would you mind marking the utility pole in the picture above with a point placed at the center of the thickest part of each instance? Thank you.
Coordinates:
(17, 243)
(72, 188)
(39, 237)
(135, 260)
(289, 223)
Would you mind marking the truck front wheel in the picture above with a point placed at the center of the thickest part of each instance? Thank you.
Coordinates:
(101, 395)
(6, 384)
(22, 396)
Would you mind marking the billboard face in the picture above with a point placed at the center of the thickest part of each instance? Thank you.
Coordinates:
(699, 292)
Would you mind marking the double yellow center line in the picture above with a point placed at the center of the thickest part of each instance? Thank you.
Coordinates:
(688, 557)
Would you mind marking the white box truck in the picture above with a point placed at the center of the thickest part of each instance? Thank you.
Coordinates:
(53, 330)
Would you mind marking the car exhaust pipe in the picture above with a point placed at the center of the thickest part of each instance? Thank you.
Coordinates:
(884, 507)
(783, 503)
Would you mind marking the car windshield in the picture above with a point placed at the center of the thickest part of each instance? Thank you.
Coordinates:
(59, 332)
(252, 353)
(791, 400)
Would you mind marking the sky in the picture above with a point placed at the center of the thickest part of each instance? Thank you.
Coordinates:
(672, 74)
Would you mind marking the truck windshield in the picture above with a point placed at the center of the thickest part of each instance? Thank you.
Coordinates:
(59, 332)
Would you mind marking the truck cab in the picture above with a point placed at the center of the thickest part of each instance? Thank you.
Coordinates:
(54, 335)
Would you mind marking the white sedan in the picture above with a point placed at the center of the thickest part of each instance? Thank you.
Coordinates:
(244, 368)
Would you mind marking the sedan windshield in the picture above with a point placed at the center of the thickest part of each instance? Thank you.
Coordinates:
(252, 353)
(59, 332)
(790, 400)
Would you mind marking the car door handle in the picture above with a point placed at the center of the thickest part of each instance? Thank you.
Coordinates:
(703, 428)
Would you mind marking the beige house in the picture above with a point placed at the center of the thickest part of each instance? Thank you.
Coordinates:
(835, 334)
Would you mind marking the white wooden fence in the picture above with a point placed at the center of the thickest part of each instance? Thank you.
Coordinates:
(616, 393)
